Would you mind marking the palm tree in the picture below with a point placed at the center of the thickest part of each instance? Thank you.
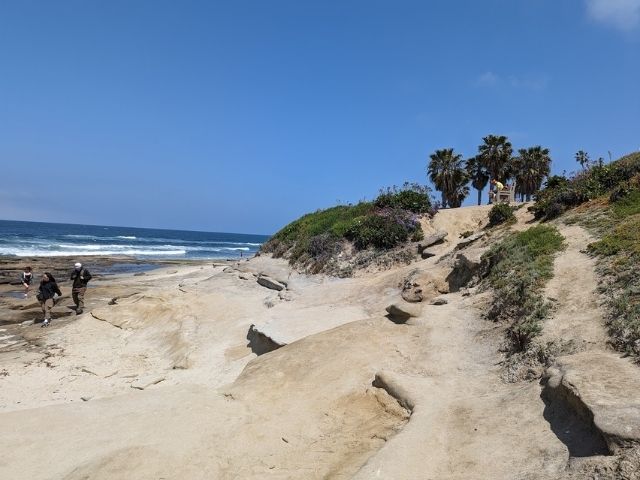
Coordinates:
(478, 175)
(583, 159)
(446, 171)
(495, 155)
(531, 166)
(460, 192)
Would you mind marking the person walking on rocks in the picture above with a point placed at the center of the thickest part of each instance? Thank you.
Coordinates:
(46, 293)
(26, 278)
(80, 277)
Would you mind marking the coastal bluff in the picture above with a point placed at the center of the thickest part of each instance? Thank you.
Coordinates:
(253, 370)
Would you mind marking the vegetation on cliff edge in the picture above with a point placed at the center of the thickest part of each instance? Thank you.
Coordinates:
(614, 179)
(315, 239)
(518, 268)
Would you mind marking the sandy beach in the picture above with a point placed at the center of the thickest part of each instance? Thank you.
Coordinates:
(250, 370)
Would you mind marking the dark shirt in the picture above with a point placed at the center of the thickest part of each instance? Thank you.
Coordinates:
(26, 278)
(81, 278)
(49, 289)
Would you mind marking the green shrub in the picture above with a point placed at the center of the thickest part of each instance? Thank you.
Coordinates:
(314, 239)
(621, 238)
(518, 268)
(626, 201)
(384, 229)
(411, 197)
(376, 231)
(501, 213)
(333, 220)
(562, 194)
(418, 235)
(556, 181)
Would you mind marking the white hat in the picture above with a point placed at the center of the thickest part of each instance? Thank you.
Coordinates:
(78, 265)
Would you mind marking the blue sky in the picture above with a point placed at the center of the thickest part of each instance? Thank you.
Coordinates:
(241, 116)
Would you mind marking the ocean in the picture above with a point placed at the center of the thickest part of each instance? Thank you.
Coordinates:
(36, 239)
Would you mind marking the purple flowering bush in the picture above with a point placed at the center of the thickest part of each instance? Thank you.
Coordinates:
(384, 228)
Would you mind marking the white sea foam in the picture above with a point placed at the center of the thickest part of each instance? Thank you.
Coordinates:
(31, 252)
(69, 249)
(192, 242)
(84, 247)
(107, 242)
(236, 243)
(105, 246)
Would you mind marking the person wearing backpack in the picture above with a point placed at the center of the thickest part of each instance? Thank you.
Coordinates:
(26, 278)
(80, 277)
(46, 292)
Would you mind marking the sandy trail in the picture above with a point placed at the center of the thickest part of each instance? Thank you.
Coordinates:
(577, 317)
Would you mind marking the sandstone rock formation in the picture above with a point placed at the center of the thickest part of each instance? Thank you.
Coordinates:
(270, 283)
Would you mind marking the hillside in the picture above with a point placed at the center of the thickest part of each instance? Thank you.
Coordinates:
(346, 238)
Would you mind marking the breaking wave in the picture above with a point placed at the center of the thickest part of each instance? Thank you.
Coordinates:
(27, 239)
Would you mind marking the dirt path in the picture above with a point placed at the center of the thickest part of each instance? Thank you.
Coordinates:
(577, 318)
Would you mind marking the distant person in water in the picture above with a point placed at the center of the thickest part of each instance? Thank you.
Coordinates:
(46, 293)
(80, 277)
(496, 188)
(26, 278)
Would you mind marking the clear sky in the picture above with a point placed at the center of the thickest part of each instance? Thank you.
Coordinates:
(239, 116)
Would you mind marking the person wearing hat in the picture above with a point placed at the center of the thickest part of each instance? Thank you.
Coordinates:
(80, 277)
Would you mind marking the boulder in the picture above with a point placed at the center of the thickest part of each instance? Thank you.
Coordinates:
(439, 301)
(441, 286)
(401, 312)
(420, 285)
(412, 293)
(270, 283)
(469, 240)
(466, 269)
(426, 254)
(600, 393)
(412, 290)
(434, 239)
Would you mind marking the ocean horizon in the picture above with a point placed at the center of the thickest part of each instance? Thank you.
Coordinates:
(42, 239)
